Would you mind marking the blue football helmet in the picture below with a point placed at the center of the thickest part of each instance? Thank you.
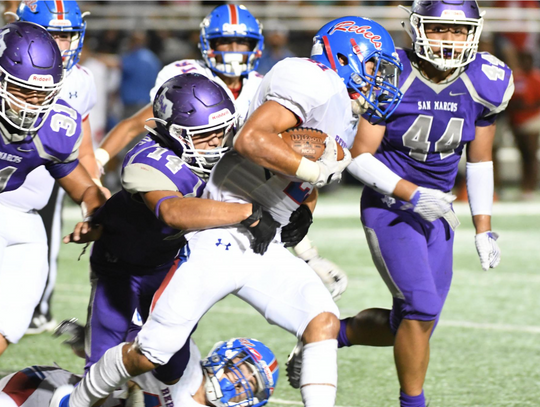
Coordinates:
(30, 62)
(346, 45)
(188, 105)
(57, 16)
(231, 21)
(451, 54)
(240, 372)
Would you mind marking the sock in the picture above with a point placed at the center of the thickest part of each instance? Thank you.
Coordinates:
(412, 401)
(101, 380)
(342, 337)
(318, 380)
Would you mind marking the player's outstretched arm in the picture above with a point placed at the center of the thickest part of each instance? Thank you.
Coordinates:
(122, 134)
(480, 188)
(80, 187)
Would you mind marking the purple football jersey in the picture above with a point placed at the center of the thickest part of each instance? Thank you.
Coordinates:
(55, 145)
(134, 239)
(425, 136)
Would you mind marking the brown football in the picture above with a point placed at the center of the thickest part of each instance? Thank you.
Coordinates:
(307, 142)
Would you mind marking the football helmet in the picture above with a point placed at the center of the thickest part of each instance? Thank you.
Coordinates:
(346, 45)
(57, 16)
(189, 105)
(452, 54)
(240, 372)
(231, 21)
(30, 62)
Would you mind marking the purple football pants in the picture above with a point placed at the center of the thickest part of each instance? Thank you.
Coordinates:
(113, 318)
(412, 255)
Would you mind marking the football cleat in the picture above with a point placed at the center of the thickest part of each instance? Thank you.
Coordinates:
(41, 323)
(294, 365)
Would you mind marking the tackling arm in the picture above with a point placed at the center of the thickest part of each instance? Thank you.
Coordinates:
(195, 213)
(122, 134)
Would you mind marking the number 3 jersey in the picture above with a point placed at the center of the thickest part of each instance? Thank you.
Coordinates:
(55, 145)
(425, 136)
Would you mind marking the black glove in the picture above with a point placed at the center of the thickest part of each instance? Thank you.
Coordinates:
(298, 226)
(264, 232)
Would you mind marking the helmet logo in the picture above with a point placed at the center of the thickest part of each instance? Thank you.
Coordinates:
(3, 45)
(453, 14)
(164, 105)
(41, 79)
(60, 23)
(31, 4)
(215, 117)
(234, 28)
(350, 26)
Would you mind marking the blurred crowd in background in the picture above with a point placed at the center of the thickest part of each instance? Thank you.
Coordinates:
(125, 48)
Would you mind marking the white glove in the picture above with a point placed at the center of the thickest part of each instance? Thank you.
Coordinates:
(431, 204)
(331, 275)
(488, 249)
(330, 168)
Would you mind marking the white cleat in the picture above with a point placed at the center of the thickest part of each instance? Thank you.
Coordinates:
(294, 365)
(60, 397)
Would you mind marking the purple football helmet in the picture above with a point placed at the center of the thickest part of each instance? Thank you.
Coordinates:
(30, 62)
(190, 105)
(452, 54)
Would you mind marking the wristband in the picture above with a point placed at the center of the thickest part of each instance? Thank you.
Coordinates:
(156, 209)
(308, 170)
(97, 181)
(102, 156)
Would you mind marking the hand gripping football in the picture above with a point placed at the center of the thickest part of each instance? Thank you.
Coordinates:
(308, 142)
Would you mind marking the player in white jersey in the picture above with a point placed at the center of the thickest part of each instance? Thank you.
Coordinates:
(224, 261)
(64, 21)
(231, 43)
(243, 371)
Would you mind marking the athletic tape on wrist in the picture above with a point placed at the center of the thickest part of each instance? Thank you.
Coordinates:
(156, 209)
(102, 156)
(308, 170)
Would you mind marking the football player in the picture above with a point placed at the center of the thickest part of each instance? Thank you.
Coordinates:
(238, 372)
(231, 43)
(37, 129)
(452, 97)
(224, 261)
(142, 227)
(64, 21)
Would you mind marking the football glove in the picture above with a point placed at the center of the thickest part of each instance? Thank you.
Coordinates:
(431, 204)
(75, 331)
(330, 168)
(334, 279)
(488, 249)
(264, 232)
(298, 226)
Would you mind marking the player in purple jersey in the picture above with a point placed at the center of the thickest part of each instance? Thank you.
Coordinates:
(142, 226)
(452, 96)
(36, 129)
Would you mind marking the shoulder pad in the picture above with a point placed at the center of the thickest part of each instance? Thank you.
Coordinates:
(489, 81)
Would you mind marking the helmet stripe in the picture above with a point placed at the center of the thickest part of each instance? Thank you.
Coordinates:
(328, 50)
(59, 9)
(233, 13)
(273, 366)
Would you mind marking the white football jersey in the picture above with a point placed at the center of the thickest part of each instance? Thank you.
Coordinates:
(79, 90)
(250, 83)
(34, 386)
(319, 98)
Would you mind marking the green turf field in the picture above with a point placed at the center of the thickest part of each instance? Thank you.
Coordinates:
(485, 351)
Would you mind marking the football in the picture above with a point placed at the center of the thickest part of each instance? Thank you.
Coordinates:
(308, 142)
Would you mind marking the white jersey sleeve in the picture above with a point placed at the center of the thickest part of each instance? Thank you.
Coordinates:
(314, 93)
